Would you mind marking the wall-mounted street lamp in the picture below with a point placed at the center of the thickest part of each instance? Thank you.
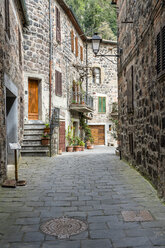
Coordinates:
(96, 40)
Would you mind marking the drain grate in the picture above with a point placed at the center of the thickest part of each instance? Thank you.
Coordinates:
(63, 227)
(133, 216)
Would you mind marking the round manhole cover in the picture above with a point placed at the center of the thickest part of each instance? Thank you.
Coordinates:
(63, 227)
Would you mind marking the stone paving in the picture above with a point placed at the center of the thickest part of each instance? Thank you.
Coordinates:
(93, 186)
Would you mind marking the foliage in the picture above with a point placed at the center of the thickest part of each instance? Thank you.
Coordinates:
(82, 143)
(69, 135)
(47, 125)
(87, 130)
(76, 141)
(95, 16)
(45, 135)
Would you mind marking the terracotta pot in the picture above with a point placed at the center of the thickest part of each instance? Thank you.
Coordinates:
(45, 141)
(77, 148)
(82, 148)
(90, 146)
(47, 130)
(69, 148)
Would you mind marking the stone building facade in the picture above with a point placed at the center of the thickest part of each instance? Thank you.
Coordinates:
(13, 18)
(141, 71)
(103, 87)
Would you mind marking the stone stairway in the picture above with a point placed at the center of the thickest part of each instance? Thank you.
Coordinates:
(31, 146)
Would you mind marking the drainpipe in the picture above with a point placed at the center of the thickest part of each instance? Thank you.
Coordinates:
(87, 74)
(50, 61)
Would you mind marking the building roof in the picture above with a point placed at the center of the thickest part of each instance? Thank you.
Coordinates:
(69, 12)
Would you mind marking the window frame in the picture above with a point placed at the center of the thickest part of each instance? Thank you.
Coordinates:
(102, 108)
(94, 75)
(58, 83)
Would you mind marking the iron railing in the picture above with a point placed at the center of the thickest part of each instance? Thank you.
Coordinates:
(82, 98)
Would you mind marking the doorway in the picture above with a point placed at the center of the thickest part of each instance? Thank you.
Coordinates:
(33, 113)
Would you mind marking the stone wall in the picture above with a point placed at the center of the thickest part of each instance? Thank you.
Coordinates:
(106, 88)
(141, 90)
(11, 78)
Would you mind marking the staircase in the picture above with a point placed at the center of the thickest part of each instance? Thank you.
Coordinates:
(31, 146)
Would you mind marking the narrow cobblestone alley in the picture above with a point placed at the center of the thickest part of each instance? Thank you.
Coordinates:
(93, 186)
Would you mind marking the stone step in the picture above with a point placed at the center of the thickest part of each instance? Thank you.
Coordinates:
(35, 153)
(31, 142)
(33, 132)
(34, 126)
(32, 137)
(30, 147)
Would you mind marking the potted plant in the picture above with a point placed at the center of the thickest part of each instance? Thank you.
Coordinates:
(45, 139)
(47, 128)
(82, 144)
(76, 144)
(69, 138)
(90, 144)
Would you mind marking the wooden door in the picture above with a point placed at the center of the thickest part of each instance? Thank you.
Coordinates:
(98, 133)
(33, 100)
(62, 136)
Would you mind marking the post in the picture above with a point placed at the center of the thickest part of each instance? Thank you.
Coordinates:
(16, 165)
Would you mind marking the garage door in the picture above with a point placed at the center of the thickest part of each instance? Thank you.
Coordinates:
(98, 133)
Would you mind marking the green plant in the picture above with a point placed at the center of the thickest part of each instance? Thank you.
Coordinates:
(82, 143)
(47, 125)
(69, 135)
(73, 101)
(91, 139)
(45, 135)
(87, 130)
(76, 141)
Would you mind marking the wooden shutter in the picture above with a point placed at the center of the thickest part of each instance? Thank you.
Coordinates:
(130, 90)
(163, 48)
(72, 41)
(76, 43)
(58, 26)
(100, 105)
(104, 104)
(58, 83)
(7, 18)
(158, 42)
(81, 56)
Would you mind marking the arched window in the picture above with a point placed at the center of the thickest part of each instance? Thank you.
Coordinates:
(96, 75)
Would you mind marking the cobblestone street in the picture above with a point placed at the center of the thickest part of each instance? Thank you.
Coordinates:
(92, 186)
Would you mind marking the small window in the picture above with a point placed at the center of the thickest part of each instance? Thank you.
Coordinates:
(76, 44)
(58, 83)
(81, 55)
(96, 75)
(7, 18)
(72, 40)
(58, 26)
(102, 104)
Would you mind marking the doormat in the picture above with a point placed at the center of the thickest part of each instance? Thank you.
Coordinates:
(9, 184)
(134, 216)
(63, 227)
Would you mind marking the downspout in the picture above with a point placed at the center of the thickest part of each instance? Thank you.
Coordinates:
(87, 74)
(50, 61)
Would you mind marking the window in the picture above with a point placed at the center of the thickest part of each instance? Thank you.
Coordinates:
(7, 18)
(130, 90)
(96, 75)
(76, 44)
(81, 53)
(58, 83)
(58, 26)
(72, 40)
(160, 42)
(102, 104)
(20, 48)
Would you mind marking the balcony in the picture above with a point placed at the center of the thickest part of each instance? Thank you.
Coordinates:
(81, 102)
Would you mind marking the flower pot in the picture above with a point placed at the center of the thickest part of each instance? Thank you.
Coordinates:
(77, 148)
(82, 148)
(47, 130)
(69, 148)
(60, 152)
(90, 146)
(45, 141)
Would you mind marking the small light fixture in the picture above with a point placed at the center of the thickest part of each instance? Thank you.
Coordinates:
(96, 43)
(114, 2)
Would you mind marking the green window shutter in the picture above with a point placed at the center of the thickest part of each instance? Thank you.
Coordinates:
(100, 105)
(104, 105)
